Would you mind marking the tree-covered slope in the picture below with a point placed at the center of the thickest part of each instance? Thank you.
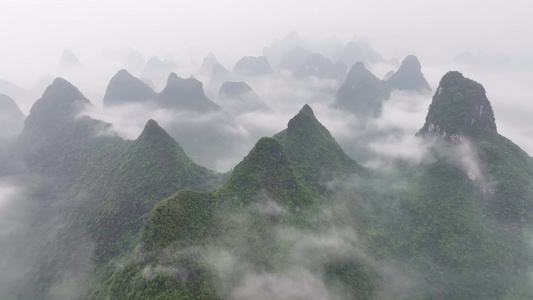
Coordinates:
(314, 153)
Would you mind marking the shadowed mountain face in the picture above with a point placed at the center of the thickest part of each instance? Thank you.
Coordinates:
(459, 107)
(362, 92)
(185, 94)
(409, 76)
(240, 98)
(125, 88)
(11, 118)
(55, 111)
(253, 66)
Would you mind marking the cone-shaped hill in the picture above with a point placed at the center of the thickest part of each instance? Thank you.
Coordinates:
(362, 92)
(315, 154)
(125, 88)
(155, 165)
(185, 94)
(149, 169)
(409, 76)
(265, 171)
(11, 118)
(53, 120)
(459, 107)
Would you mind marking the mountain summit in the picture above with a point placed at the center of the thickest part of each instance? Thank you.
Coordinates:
(459, 107)
(315, 153)
(409, 76)
(362, 92)
(185, 94)
(124, 88)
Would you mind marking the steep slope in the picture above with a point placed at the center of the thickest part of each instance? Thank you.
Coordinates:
(459, 107)
(148, 170)
(207, 64)
(361, 92)
(185, 94)
(265, 171)
(11, 118)
(125, 88)
(314, 153)
(240, 98)
(465, 215)
(409, 76)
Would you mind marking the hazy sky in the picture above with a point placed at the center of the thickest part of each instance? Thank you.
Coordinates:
(34, 31)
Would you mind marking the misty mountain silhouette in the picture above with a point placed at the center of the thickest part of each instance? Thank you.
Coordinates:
(185, 94)
(362, 92)
(240, 97)
(252, 66)
(320, 67)
(11, 118)
(125, 88)
(409, 76)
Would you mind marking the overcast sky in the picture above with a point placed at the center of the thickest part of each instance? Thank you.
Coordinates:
(37, 30)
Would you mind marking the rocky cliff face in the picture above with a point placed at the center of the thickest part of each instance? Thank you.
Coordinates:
(459, 107)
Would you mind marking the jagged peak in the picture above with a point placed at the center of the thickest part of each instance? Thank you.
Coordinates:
(155, 134)
(459, 107)
(151, 129)
(307, 110)
(62, 90)
(409, 76)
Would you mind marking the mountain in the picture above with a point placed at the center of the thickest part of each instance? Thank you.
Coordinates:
(294, 59)
(185, 94)
(265, 171)
(467, 210)
(53, 118)
(147, 170)
(459, 107)
(361, 92)
(409, 76)
(279, 48)
(11, 118)
(69, 60)
(125, 88)
(359, 50)
(156, 66)
(240, 98)
(207, 64)
(318, 66)
(315, 154)
(252, 66)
